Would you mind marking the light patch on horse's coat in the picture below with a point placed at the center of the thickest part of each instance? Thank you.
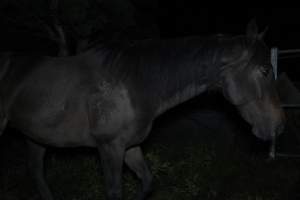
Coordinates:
(181, 96)
(110, 111)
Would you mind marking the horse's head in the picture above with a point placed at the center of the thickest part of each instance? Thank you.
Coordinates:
(248, 83)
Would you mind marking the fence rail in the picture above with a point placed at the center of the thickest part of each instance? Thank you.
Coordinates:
(277, 54)
(282, 54)
(288, 51)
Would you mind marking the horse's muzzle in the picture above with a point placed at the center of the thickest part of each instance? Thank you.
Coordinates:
(267, 133)
(262, 134)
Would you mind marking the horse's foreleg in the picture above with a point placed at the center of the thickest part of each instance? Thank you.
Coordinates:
(135, 160)
(112, 158)
(36, 155)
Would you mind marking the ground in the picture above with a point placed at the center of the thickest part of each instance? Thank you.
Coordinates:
(197, 151)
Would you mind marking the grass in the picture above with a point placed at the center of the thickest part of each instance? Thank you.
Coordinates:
(188, 167)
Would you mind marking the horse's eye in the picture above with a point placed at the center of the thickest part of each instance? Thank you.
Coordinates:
(265, 71)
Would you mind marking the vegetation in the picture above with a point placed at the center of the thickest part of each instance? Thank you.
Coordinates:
(73, 26)
(192, 168)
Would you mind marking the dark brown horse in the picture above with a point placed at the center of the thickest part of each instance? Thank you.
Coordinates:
(108, 97)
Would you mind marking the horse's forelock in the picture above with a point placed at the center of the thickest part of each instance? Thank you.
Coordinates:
(234, 56)
(244, 50)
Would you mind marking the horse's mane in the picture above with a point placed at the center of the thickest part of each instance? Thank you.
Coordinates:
(165, 67)
(155, 63)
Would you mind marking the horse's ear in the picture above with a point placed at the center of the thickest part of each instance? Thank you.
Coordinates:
(252, 29)
(262, 34)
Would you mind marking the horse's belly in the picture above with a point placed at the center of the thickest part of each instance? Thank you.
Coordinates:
(62, 124)
(71, 130)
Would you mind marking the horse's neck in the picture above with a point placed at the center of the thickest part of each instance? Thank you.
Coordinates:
(181, 96)
(169, 74)
(176, 82)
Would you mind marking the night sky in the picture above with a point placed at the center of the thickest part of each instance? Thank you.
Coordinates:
(283, 22)
(183, 18)
(171, 19)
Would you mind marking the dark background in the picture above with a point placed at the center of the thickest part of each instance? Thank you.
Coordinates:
(200, 150)
(168, 19)
(24, 23)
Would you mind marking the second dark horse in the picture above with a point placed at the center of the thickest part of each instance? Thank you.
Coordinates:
(108, 97)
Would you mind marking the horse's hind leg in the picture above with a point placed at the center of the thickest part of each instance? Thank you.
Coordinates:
(112, 158)
(135, 160)
(36, 155)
